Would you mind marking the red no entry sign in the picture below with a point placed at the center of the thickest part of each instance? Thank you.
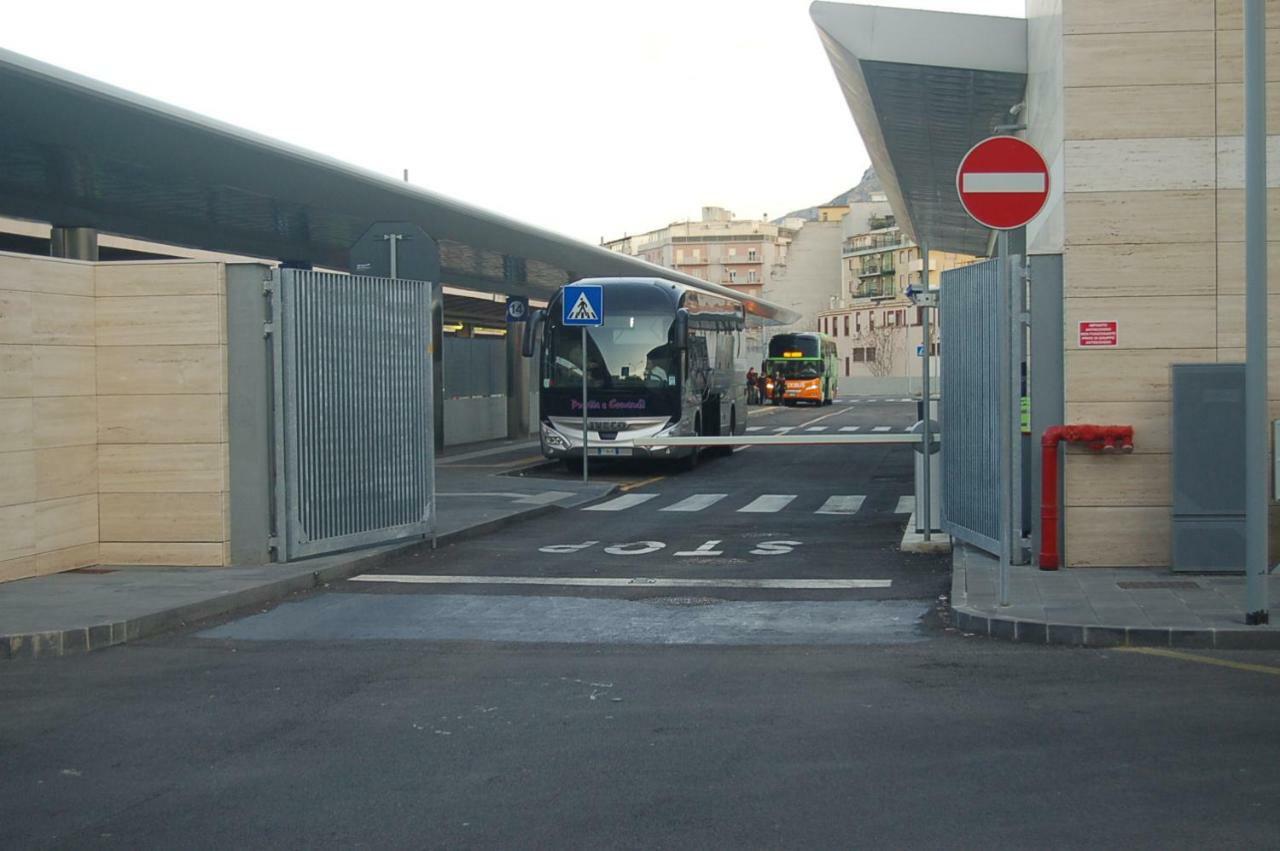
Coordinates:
(1003, 182)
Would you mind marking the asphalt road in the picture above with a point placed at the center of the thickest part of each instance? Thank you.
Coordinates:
(475, 714)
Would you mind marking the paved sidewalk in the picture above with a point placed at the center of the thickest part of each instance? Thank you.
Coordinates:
(97, 607)
(1106, 607)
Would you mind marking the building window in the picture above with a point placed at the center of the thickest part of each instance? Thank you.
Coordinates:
(680, 258)
(751, 254)
(865, 354)
(846, 332)
(846, 372)
(751, 276)
(733, 277)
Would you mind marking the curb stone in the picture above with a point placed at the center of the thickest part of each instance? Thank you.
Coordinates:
(1079, 635)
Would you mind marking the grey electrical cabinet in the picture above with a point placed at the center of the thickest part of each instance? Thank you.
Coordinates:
(1208, 468)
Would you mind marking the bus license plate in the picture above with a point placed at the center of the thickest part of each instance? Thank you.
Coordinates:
(610, 451)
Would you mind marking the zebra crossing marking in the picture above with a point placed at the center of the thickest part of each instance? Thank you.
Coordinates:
(850, 428)
(783, 429)
(906, 504)
(697, 502)
(882, 428)
(768, 503)
(623, 502)
(845, 504)
(755, 428)
(816, 428)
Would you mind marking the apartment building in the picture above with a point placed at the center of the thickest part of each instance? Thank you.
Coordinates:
(718, 248)
(878, 330)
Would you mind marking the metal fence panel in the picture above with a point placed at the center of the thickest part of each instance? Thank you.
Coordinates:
(354, 446)
(970, 315)
(474, 366)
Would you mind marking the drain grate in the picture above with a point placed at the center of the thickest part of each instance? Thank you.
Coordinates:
(1147, 584)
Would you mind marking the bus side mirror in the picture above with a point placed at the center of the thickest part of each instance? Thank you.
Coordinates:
(530, 342)
(681, 329)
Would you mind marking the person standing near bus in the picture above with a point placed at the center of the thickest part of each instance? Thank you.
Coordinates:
(753, 389)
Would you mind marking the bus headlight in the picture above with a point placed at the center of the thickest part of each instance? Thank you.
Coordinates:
(552, 438)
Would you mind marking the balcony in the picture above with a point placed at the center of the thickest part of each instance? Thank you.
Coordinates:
(693, 261)
(874, 242)
(740, 258)
(873, 289)
(873, 270)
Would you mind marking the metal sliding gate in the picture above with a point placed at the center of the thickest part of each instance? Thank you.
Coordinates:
(971, 311)
(354, 454)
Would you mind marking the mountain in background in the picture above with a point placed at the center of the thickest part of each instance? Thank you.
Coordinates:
(869, 184)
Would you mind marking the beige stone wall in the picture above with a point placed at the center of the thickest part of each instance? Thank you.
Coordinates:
(1153, 239)
(113, 432)
(48, 415)
(162, 412)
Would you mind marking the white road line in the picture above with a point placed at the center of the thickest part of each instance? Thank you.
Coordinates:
(906, 400)
(842, 505)
(545, 497)
(785, 429)
(755, 428)
(906, 505)
(883, 428)
(622, 503)
(817, 420)
(816, 428)
(697, 502)
(850, 428)
(768, 503)
(626, 582)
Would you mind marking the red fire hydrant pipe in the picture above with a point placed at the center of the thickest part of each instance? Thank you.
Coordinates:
(1097, 438)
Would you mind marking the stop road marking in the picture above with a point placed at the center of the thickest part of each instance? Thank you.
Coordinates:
(640, 548)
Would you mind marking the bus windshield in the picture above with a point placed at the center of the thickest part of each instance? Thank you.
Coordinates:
(796, 369)
(628, 352)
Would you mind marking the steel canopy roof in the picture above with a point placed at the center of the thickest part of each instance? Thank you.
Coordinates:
(77, 152)
(923, 88)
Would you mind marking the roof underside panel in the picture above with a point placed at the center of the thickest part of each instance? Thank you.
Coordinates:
(75, 152)
(923, 88)
(948, 110)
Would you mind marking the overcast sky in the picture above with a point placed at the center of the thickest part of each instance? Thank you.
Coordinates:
(590, 118)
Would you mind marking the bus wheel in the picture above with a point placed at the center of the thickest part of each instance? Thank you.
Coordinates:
(727, 451)
(690, 462)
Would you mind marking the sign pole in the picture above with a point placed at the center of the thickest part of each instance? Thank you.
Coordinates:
(585, 439)
(583, 306)
(926, 507)
(1005, 410)
(1255, 373)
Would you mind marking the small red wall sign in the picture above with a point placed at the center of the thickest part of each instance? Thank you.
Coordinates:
(1099, 334)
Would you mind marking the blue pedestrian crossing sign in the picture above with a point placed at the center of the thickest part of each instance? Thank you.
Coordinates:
(583, 304)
